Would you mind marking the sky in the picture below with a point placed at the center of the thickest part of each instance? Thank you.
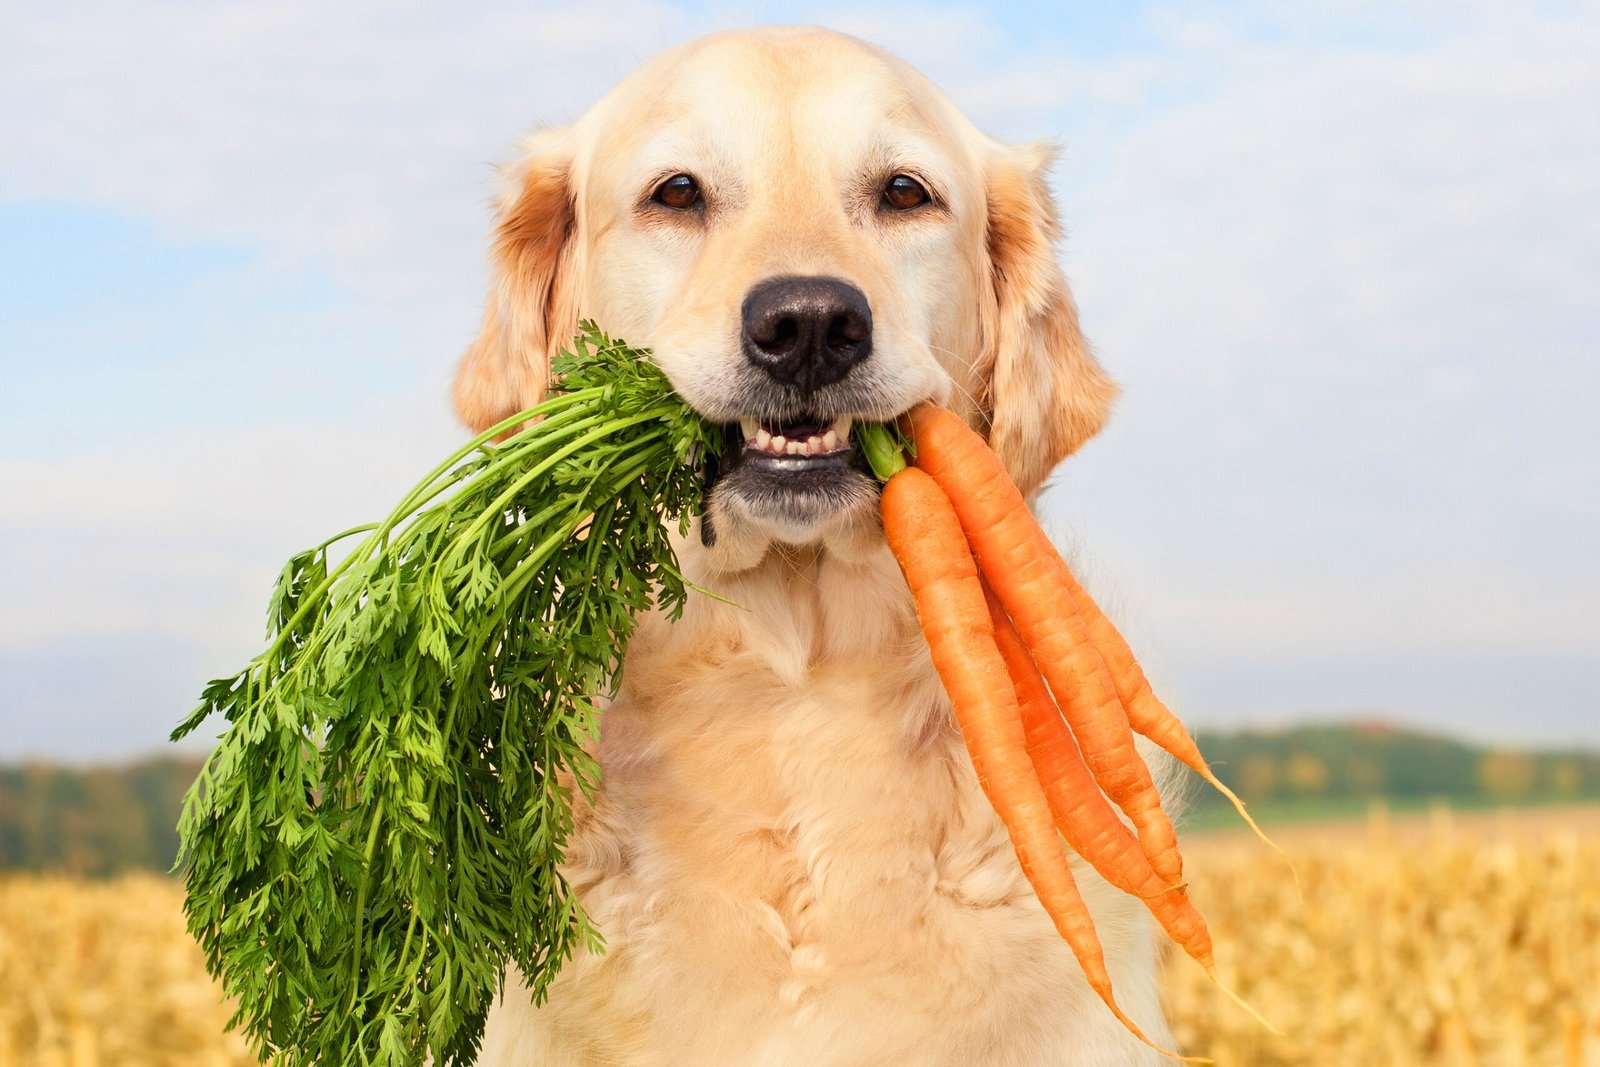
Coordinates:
(1343, 256)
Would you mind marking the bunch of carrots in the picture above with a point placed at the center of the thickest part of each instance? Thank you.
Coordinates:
(1046, 691)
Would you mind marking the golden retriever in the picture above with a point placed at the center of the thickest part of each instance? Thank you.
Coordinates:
(790, 858)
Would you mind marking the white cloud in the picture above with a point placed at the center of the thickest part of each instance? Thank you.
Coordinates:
(359, 134)
(179, 537)
(1343, 256)
(1350, 288)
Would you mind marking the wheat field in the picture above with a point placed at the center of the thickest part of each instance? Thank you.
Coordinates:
(1437, 940)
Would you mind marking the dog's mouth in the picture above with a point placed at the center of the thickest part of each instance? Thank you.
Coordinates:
(794, 473)
(796, 443)
(794, 454)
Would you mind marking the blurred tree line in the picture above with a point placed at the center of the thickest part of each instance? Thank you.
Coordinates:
(92, 820)
(100, 820)
(1366, 760)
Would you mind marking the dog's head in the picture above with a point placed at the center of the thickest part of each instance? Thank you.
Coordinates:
(806, 232)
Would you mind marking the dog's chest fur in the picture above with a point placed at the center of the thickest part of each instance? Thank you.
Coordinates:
(792, 862)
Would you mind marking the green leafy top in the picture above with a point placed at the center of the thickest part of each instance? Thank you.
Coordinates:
(378, 831)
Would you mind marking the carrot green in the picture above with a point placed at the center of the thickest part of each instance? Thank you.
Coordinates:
(376, 836)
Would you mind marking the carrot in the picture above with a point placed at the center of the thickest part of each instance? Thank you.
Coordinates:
(1147, 714)
(925, 536)
(1082, 813)
(1019, 561)
(1004, 535)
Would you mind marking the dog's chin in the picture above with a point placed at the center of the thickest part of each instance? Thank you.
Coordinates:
(796, 500)
(759, 496)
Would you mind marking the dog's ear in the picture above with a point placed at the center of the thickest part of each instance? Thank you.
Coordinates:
(531, 311)
(1044, 393)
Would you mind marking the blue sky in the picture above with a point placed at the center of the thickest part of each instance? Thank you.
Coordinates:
(1342, 255)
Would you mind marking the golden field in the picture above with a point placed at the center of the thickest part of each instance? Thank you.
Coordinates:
(1442, 939)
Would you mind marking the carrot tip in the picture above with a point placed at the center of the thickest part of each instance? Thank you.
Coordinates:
(1238, 805)
(1138, 1033)
(1211, 972)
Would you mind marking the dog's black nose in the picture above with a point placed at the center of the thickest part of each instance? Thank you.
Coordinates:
(807, 332)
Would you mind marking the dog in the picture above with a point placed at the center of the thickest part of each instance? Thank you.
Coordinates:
(789, 857)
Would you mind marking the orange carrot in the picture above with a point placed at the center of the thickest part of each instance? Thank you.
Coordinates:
(925, 536)
(1081, 810)
(1146, 713)
(957, 456)
(1084, 816)
(1020, 563)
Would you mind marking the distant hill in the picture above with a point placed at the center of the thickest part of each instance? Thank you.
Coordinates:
(101, 820)
(92, 820)
(1371, 759)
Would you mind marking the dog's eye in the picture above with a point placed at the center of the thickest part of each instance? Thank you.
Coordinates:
(904, 192)
(679, 192)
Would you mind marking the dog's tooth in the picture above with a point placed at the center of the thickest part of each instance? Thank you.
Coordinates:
(815, 446)
(750, 427)
(830, 440)
(796, 448)
(777, 445)
(763, 440)
(841, 427)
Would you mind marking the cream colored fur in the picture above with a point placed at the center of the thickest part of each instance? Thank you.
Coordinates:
(790, 858)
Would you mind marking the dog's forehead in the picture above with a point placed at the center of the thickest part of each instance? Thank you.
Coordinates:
(776, 66)
(750, 97)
